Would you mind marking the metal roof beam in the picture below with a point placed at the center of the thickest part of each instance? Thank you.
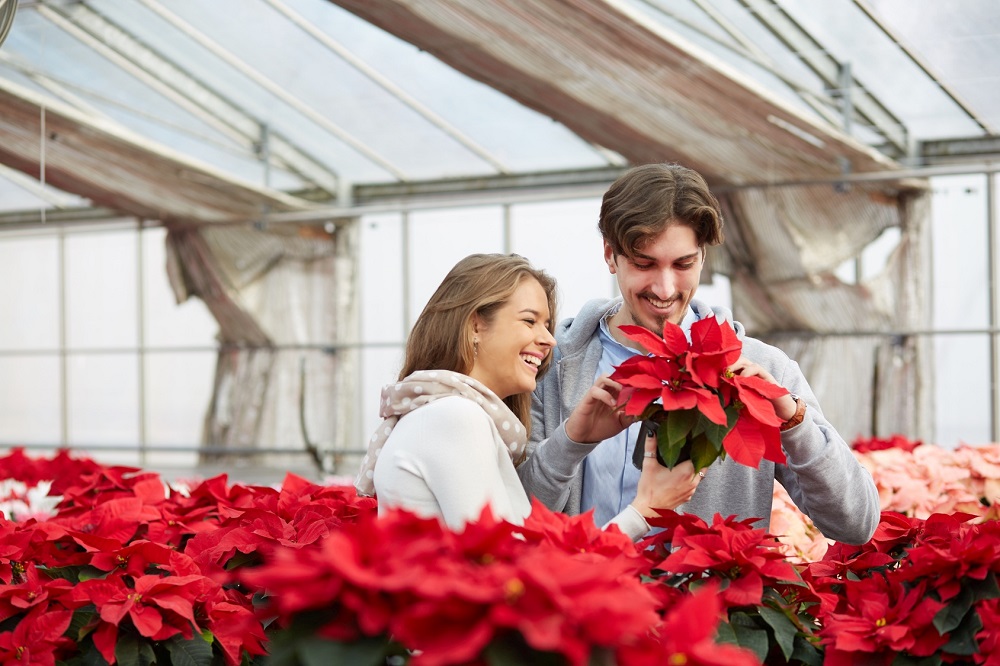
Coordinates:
(814, 56)
(151, 68)
(272, 87)
(962, 149)
(745, 47)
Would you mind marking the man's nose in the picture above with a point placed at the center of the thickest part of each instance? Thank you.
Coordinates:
(663, 284)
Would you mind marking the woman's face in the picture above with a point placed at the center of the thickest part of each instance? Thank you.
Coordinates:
(514, 344)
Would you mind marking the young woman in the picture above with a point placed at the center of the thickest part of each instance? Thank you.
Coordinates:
(456, 423)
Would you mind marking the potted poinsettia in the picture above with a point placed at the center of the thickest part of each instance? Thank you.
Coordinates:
(684, 391)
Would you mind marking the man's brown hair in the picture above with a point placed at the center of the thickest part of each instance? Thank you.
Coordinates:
(648, 198)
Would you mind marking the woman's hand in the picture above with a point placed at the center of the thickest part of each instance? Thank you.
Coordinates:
(784, 406)
(662, 488)
(598, 416)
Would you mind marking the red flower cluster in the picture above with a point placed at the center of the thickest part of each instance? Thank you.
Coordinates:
(867, 444)
(125, 558)
(919, 588)
(558, 584)
(688, 387)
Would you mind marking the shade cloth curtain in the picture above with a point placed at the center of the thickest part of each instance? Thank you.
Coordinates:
(854, 341)
(285, 301)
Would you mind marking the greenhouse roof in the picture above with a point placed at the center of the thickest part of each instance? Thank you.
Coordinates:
(218, 110)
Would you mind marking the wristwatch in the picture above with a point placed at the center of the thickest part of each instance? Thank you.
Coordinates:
(798, 416)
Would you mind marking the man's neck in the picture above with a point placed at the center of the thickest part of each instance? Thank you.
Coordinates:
(621, 319)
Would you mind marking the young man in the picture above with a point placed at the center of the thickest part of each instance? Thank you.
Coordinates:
(658, 221)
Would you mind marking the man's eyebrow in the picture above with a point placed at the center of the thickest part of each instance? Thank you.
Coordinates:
(645, 257)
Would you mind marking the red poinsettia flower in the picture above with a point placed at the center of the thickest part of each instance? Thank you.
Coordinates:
(687, 635)
(36, 638)
(234, 626)
(677, 376)
(883, 618)
(157, 606)
(34, 591)
(714, 347)
(733, 550)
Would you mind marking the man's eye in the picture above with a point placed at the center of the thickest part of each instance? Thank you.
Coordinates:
(644, 267)
(686, 266)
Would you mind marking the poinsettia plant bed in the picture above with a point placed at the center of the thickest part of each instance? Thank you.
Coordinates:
(129, 570)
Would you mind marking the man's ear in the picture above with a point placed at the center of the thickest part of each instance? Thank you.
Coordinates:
(609, 258)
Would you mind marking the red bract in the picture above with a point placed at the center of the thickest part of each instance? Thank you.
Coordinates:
(234, 626)
(678, 377)
(864, 445)
(949, 552)
(157, 606)
(37, 638)
(687, 636)
(882, 618)
(33, 592)
(714, 347)
(746, 558)
(14, 542)
(449, 595)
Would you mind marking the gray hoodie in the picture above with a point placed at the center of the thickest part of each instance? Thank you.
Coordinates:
(821, 475)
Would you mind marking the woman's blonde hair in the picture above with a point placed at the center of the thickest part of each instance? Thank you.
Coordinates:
(479, 285)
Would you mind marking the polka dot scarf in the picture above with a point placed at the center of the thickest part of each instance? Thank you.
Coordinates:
(423, 387)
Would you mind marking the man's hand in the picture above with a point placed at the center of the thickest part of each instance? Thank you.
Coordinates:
(784, 406)
(598, 416)
(662, 488)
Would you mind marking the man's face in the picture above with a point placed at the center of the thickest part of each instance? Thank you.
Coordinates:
(659, 281)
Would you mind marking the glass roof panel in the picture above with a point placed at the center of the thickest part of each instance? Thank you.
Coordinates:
(310, 73)
(961, 47)
(882, 67)
(117, 95)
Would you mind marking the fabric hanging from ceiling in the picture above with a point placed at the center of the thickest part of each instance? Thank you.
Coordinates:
(275, 294)
(782, 245)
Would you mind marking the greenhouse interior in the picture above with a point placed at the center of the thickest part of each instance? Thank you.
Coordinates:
(219, 220)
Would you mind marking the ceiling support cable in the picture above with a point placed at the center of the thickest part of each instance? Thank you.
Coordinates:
(275, 89)
(919, 62)
(813, 55)
(152, 69)
(382, 81)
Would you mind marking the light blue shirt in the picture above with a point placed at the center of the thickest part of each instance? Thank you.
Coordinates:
(610, 480)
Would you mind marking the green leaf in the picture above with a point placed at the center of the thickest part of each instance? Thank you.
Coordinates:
(511, 649)
(806, 653)
(127, 649)
(703, 452)
(185, 652)
(963, 639)
(679, 424)
(984, 589)
(907, 660)
(712, 430)
(132, 649)
(725, 634)
(784, 630)
(951, 615)
(87, 655)
(316, 651)
(671, 453)
(749, 635)
(82, 617)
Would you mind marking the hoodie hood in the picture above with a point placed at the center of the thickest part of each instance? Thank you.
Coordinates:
(575, 333)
